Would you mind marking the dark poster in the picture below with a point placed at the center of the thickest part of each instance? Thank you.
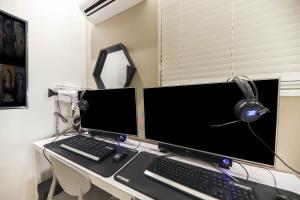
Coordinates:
(13, 61)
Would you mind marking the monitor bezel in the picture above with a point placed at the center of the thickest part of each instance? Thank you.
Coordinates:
(112, 132)
(185, 149)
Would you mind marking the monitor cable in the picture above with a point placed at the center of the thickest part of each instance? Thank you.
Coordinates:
(58, 117)
(134, 148)
(269, 148)
(222, 171)
(275, 182)
(273, 176)
(60, 134)
(247, 173)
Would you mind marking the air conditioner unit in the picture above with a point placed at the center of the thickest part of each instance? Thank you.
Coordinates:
(99, 10)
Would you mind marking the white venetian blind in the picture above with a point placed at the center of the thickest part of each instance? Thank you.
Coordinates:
(170, 37)
(209, 40)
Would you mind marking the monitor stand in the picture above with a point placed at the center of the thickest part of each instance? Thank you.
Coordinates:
(118, 137)
(223, 162)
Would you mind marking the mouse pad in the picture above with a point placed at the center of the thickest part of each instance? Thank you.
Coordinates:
(105, 168)
(133, 176)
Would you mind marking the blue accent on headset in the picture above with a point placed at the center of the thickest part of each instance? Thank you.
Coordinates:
(251, 113)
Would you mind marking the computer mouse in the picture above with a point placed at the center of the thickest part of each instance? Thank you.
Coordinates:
(119, 156)
(281, 197)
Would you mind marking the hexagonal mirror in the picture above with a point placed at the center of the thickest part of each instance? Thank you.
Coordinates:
(114, 68)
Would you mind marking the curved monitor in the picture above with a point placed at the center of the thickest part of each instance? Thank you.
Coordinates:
(110, 110)
(183, 116)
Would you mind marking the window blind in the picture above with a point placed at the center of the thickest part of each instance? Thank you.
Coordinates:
(209, 41)
(170, 36)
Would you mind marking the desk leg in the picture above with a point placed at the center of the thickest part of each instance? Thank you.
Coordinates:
(42, 170)
(52, 188)
(37, 171)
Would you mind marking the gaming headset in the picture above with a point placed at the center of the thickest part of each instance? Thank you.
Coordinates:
(248, 109)
(83, 107)
(83, 104)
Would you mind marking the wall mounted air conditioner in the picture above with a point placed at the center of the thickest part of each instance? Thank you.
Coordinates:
(99, 10)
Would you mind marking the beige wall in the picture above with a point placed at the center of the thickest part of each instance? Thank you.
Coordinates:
(288, 144)
(137, 29)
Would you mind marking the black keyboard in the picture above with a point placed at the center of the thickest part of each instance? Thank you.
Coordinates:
(88, 147)
(198, 182)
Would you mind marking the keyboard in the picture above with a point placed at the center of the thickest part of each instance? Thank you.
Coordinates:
(88, 147)
(197, 182)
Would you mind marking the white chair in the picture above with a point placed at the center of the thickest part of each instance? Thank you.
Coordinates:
(73, 182)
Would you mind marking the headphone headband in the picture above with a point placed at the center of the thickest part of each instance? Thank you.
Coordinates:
(248, 109)
(245, 87)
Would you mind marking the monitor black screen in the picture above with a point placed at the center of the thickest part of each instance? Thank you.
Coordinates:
(111, 110)
(183, 115)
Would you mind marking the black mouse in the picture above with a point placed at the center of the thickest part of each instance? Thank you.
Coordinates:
(281, 197)
(120, 156)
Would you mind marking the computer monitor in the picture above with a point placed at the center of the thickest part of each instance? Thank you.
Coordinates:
(110, 111)
(182, 116)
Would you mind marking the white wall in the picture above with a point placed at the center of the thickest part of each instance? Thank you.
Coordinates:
(56, 56)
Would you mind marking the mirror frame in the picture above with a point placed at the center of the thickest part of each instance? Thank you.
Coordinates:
(131, 69)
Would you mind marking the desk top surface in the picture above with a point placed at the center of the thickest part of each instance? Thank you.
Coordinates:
(285, 181)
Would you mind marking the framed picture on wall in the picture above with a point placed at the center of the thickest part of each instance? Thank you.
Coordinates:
(13, 62)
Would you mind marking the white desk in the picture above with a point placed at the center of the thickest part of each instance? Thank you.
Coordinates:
(284, 180)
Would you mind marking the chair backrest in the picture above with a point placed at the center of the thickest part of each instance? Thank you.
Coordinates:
(71, 180)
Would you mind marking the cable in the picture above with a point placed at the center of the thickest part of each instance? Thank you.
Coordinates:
(275, 182)
(58, 116)
(134, 148)
(62, 133)
(247, 173)
(225, 124)
(223, 172)
(45, 149)
(46, 156)
(269, 148)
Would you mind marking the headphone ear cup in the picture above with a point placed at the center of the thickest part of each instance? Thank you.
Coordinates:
(248, 110)
(238, 109)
